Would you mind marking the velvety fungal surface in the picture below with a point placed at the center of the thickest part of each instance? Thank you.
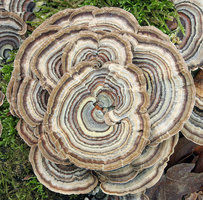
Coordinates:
(193, 128)
(24, 8)
(100, 100)
(191, 17)
(12, 32)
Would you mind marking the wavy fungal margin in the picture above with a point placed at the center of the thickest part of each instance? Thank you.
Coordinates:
(100, 100)
(99, 112)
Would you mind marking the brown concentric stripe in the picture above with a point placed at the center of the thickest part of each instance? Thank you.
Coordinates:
(32, 101)
(16, 5)
(121, 175)
(74, 124)
(107, 47)
(12, 22)
(193, 128)
(191, 47)
(199, 102)
(68, 124)
(55, 63)
(26, 133)
(99, 164)
(28, 50)
(127, 98)
(191, 43)
(199, 89)
(42, 99)
(71, 119)
(13, 29)
(185, 39)
(23, 8)
(149, 157)
(8, 42)
(111, 89)
(79, 98)
(12, 92)
(22, 63)
(62, 18)
(41, 65)
(27, 5)
(106, 19)
(116, 17)
(63, 171)
(144, 179)
(80, 90)
(76, 51)
(23, 57)
(49, 149)
(174, 82)
(38, 130)
(157, 87)
(151, 31)
(159, 84)
(153, 154)
(28, 16)
(65, 179)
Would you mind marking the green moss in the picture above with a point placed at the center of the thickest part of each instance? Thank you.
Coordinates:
(46, 8)
(147, 12)
(17, 180)
(14, 164)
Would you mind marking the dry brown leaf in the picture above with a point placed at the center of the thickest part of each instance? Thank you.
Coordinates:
(178, 182)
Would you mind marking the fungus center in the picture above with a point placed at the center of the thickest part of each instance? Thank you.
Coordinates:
(99, 58)
(103, 105)
(93, 113)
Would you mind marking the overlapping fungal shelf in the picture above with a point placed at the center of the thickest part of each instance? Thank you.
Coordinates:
(144, 179)
(158, 60)
(199, 89)
(100, 100)
(193, 128)
(191, 17)
(12, 31)
(98, 115)
(66, 179)
(24, 8)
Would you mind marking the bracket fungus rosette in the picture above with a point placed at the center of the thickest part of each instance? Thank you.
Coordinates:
(102, 113)
(101, 101)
